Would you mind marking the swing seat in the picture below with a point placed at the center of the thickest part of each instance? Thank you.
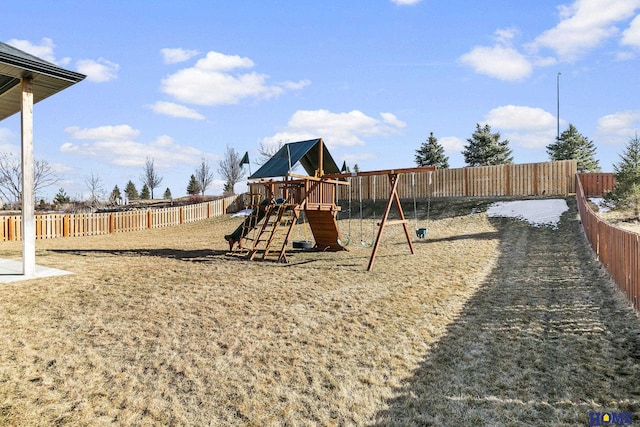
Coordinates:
(344, 244)
(421, 233)
(302, 244)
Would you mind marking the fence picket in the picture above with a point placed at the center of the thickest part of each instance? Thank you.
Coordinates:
(617, 250)
(49, 226)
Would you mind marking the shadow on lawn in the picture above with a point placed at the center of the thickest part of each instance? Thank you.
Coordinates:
(196, 255)
(475, 236)
(544, 341)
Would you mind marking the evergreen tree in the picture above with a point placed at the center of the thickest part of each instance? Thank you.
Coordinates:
(626, 192)
(115, 196)
(356, 168)
(61, 197)
(167, 194)
(193, 187)
(431, 153)
(573, 145)
(131, 191)
(486, 149)
(145, 194)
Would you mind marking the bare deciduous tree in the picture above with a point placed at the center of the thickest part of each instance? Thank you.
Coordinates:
(266, 151)
(11, 177)
(229, 168)
(96, 190)
(204, 175)
(150, 177)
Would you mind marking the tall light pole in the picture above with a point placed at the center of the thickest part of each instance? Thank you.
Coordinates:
(558, 110)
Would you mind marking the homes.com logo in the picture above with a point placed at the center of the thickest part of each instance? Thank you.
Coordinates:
(610, 418)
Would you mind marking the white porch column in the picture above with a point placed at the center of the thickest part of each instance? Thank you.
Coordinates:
(28, 208)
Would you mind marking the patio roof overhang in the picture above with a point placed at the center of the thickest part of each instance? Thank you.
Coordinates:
(47, 79)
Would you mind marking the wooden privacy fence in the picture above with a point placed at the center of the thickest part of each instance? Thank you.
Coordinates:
(50, 226)
(597, 184)
(529, 179)
(617, 249)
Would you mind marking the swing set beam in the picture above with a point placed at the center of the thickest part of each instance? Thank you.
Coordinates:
(380, 172)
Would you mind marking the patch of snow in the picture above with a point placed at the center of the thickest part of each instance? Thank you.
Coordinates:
(244, 212)
(536, 212)
(598, 201)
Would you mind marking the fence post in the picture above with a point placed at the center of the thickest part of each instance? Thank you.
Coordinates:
(465, 182)
(65, 226)
(38, 220)
(11, 232)
(208, 210)
(112, 223)
(181, 215)
(507, 180)
(149, 219)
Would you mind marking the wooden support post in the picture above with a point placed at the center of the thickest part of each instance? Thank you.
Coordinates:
(393, 196)
(28, 209)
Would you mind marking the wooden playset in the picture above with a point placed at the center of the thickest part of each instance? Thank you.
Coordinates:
(279, 199)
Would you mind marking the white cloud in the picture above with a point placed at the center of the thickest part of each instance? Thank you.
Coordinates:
(117, 132)
(631, 36)
(520, 117)
(618, 128)
(100, 70)
(117, 145)
(525, 126)
(295, 85)
(501, 60)
(176, 110)
(405, 2)
(215, 80)
(392, 120)
(216, 61)
(44, 50)
(336, 129)
(173, 56)
(504, 63)
(584, 25)
(452, 143)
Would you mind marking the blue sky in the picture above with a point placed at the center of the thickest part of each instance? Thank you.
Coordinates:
(181, 81)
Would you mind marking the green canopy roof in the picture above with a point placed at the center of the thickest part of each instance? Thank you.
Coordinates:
(307, 153)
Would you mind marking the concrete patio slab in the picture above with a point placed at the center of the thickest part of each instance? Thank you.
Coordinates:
(11, 271)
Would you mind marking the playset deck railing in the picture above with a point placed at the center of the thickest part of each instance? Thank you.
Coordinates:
(316, 193)
(49, 226)
(617, 249)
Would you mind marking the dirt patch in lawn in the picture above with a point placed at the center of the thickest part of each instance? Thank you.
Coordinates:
(161, 327)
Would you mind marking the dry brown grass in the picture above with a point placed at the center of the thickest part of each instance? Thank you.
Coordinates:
(623, 218)
(161, 328)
